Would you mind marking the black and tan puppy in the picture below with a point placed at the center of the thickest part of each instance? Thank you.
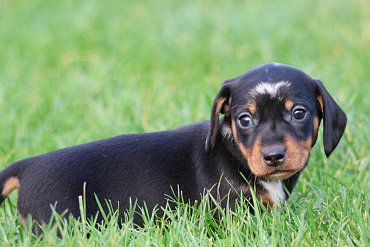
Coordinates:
(271, 119)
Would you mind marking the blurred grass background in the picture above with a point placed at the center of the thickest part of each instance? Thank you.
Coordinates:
(76, 71)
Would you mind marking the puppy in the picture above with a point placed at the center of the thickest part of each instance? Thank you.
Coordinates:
(271, 117)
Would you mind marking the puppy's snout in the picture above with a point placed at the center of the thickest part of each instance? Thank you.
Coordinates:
(273, 155)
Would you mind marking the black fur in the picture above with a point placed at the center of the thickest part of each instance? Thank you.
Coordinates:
(194, 158)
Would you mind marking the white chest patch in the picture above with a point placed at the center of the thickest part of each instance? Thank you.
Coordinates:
(269, 88)
(275, 191)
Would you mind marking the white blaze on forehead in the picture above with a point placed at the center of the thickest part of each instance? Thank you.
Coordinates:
(275, 191)
(269, 88)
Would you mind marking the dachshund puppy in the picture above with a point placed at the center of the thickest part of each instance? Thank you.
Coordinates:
(271, 117)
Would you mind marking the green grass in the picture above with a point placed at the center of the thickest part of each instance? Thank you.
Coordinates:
(76, 71)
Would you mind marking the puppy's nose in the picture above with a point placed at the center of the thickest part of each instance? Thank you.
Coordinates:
(273, 155)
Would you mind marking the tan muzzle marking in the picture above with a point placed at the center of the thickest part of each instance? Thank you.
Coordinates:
(296, 157)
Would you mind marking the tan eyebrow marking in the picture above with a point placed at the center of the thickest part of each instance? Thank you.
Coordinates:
(289, 104)
(252, 107)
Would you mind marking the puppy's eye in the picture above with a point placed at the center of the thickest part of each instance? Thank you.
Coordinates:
(245, 120)
(299, 113)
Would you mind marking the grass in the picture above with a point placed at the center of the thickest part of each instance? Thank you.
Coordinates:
(76, 71)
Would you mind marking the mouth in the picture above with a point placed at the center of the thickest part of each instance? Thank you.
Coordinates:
(280, 175)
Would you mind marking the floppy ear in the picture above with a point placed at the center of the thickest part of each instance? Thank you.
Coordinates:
(335, 119)
(220, 105)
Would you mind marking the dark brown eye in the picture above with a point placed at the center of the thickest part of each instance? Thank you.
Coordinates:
(245, 120)
(299, 113)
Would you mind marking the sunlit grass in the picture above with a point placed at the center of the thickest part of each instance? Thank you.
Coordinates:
(77, 71)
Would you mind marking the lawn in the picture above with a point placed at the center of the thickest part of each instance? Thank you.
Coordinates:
(75, 71)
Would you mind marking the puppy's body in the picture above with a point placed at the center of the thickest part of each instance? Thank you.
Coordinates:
(120, 168)
(123, 168)
(271, 119)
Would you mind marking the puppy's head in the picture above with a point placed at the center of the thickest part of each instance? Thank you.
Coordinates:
(272, 115)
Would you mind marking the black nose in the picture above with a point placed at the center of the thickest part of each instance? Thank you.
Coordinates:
(273, 155)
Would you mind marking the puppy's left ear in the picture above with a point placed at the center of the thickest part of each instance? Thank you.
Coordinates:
(335, 119)
(221, 104)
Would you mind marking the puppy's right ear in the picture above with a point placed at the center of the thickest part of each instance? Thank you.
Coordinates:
(335, 119)
(221, 104)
